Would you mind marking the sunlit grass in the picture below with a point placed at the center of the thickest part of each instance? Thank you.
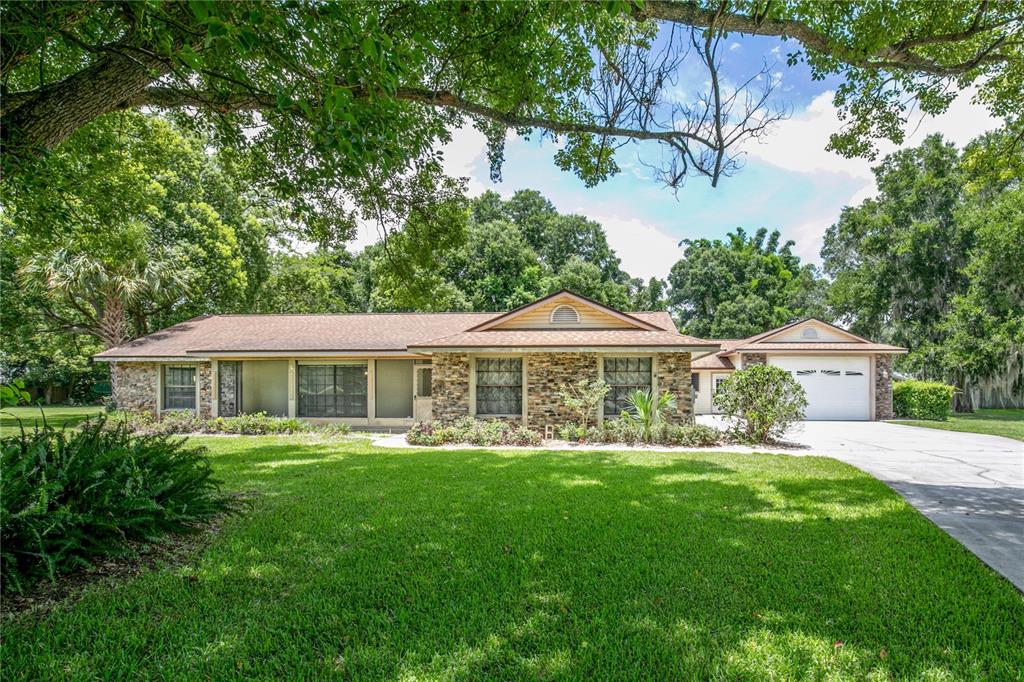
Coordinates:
(1007, 423)
(56, 415)
(358, 563)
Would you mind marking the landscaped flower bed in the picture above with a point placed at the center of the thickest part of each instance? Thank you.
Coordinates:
(471, 431)
(629, 432)
(255, 424)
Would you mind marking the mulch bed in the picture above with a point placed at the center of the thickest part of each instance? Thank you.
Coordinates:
(173, 551)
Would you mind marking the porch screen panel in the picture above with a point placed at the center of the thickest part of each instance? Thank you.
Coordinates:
(624, 376)
(179, 388)
(332, 390)
(499, 386)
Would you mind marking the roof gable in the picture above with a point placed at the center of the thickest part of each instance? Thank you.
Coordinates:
(565, 310)
(810, 330)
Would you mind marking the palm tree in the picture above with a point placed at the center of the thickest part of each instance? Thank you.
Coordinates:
(648, 410)
(94, 297)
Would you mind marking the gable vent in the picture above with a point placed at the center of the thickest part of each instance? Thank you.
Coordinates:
(809, 333)
(565, 314)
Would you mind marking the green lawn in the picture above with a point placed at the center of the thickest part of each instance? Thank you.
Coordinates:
(55, 414)
(1008, 423)
(357, 563)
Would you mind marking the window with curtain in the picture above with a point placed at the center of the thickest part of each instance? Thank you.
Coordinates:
(624, 376)
(332, 390)
(179, 388)
(499, 387)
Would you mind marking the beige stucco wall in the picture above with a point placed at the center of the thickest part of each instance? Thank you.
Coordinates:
(265, 387)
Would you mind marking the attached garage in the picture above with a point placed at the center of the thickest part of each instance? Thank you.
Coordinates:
(838, 386)
(846, 377)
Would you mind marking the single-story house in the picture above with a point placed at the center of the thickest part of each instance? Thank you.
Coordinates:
(393, 369)
(845, 376)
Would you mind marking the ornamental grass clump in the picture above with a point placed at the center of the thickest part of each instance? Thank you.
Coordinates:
(68, 497)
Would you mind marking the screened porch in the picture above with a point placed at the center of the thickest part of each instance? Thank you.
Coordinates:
(372, 391)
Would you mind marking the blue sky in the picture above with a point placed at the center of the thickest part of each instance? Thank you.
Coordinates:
(789, 182)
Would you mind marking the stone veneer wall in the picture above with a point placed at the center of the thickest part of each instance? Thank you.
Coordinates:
(883, 386)
(673, 375)
(228, 374)
(133, 385)
(204, 376)
(748, 359)
(449, 385)
(546, 373)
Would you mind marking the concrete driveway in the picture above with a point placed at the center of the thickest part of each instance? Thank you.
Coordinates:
(970, 485)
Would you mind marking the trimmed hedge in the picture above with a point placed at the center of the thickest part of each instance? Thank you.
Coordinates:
(912, 399)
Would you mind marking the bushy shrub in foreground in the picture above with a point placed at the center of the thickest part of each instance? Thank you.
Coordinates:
(471, 431)
(255, 424)
(69, 496)
(914, 399)
(761, 403)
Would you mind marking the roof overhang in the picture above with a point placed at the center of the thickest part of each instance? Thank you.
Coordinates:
(316, 353)
(704, 350)
(818, 351)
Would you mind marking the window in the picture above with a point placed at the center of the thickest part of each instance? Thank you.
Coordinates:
(695, 382)
(179, 388)
(332, 390)
(624, 376)
(565, 314)
(809, 333)
(719, 380)
(499, 386)
(423, 388)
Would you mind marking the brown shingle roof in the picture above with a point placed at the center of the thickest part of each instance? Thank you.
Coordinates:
(560, 338)
(718, 360)
(331, 333)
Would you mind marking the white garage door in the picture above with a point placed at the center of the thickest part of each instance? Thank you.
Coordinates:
(837, 387)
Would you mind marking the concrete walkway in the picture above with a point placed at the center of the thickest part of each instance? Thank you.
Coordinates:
(971, 485)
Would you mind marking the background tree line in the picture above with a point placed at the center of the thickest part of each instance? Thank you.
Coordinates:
(137, 222)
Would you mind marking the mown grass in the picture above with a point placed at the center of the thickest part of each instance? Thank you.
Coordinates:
(55, 415)
(1008, 423)
(359, 563)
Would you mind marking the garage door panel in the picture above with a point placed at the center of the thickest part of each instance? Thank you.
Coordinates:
(837, 387)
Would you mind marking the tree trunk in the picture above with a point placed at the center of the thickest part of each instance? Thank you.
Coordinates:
(60, 109)
(113, 323)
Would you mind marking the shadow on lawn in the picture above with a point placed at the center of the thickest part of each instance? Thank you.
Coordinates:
(477, 565)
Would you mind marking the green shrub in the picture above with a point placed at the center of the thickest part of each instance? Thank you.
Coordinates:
(471, 431)
(572, 432)
(69, 496)
(761, 402)
(689, 435)
(254, 424)
(912, 399)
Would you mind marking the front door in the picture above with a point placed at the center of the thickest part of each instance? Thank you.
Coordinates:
(423, 402)
(716, 381)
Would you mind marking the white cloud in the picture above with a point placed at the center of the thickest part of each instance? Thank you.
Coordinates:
(734, 46)
(798, 143)
(645, 250)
